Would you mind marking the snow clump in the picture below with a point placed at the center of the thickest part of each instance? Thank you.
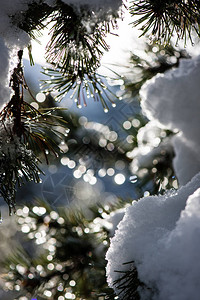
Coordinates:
(161, 235)
(172, 100)
(12, 39)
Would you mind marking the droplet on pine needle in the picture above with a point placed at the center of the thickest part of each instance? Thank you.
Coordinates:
(133, 179)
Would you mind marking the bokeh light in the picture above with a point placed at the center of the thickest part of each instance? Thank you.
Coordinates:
(119, 178)
(40, 97)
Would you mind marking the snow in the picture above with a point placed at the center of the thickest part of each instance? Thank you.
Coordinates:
(160, 234)
(172, 99)
(11, 40)
(113, 220)
(187, 160)
(8, 29)
(181, 249)
(4, 67)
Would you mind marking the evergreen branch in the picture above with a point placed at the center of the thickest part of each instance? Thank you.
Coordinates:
(75, 256)
(17, 165)
(75, 50)
(163, 59)
(23, 127)
(128, 284)
(33, 19)
(77, 43)
(77, 38)
(162, 18)
(82, 87)
(40, 129)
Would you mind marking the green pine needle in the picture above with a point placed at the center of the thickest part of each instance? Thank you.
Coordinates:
(128, 284)
(81, 87)
(162, 19)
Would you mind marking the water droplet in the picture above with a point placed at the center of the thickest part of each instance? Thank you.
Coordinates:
(133, 179)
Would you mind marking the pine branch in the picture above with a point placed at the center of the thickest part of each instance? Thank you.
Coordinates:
(23, 128)
(33, 19)
(129, 284)
(81, 87)
(160, 59)
(75, 48)
(17, 164)
(74, 51)
(158, 175)
(162, 19)
(71, 254)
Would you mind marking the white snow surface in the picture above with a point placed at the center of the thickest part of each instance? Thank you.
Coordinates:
(172, 99)
(11, 40)
(8, 30)
(161, 235)
(113, 220)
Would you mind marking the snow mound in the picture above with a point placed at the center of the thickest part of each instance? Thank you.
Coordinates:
(172, 99)
(161, 235)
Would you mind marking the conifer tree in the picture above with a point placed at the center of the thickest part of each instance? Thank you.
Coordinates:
(77, 43)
